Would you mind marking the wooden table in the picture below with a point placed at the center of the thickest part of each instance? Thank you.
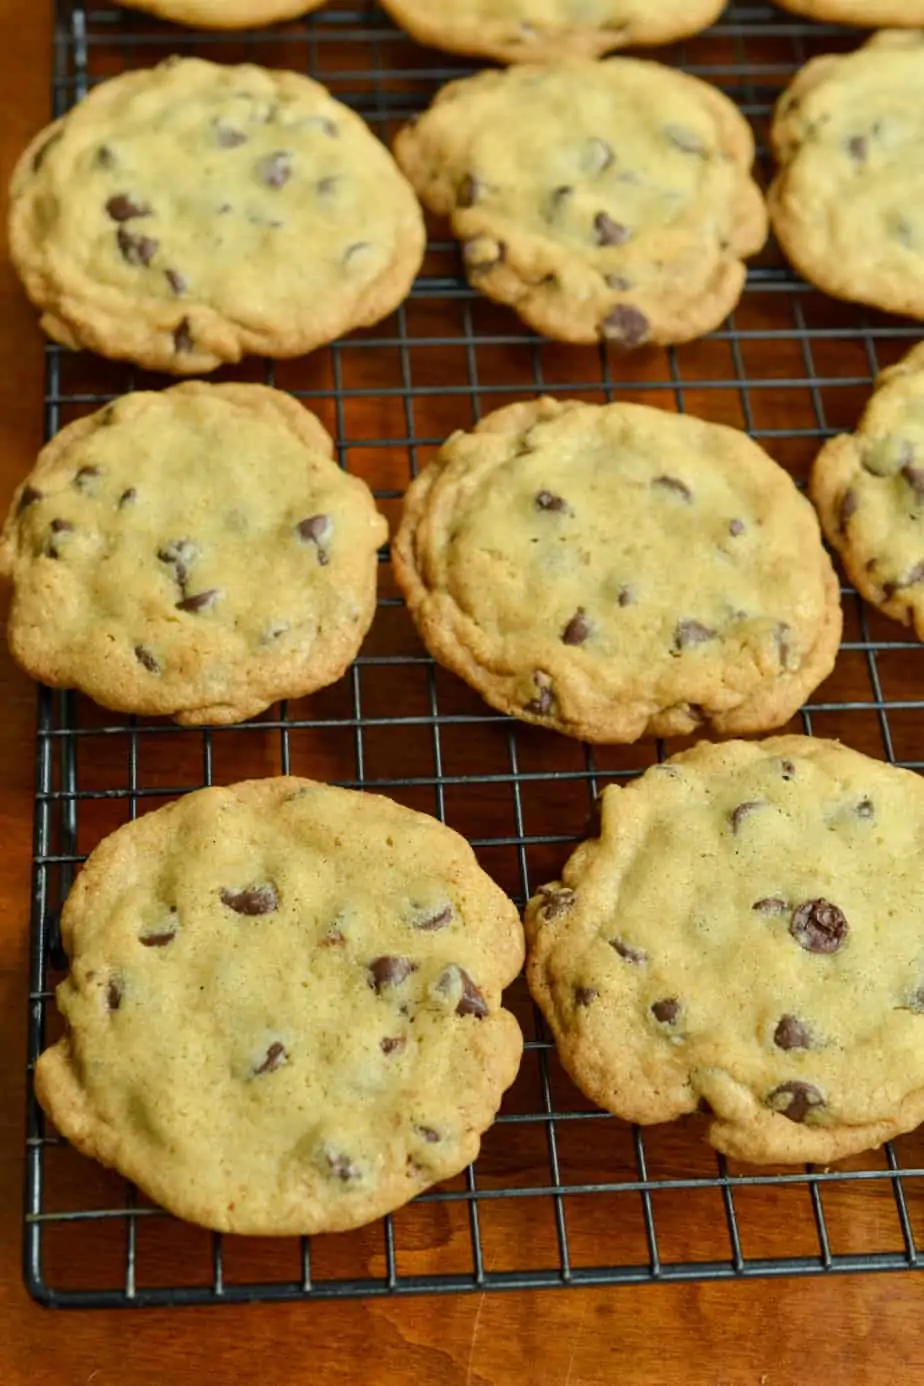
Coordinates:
(855, 1330)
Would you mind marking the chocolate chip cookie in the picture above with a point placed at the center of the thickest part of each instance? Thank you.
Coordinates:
(224, 14)
(188, 214)
(284, 1006)
(615, 571)
(846, 203)
(524, 31)
(195, 553)
(875, 14)
(599, 199)
(747, 932)
(869, 490)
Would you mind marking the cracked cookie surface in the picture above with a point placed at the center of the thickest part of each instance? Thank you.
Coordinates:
(746, 932)
(612, 571)
(868, 487)
(598, 199)
(188, 214)
(284, 1006)
(846, 203)
(225, 14)
(524, 31)
(195, 553)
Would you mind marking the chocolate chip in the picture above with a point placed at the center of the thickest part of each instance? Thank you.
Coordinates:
(182, 336)
(275, 170)
(393, 1044)
(389, 971)
(472, 1000)
(585, 996)
(430, 920)
(84, 478)
(121, 207)
(136, 250)
(180, 554)
(199, 601)
(771, 905)
(114, 995)
(736, 527)
(787, 770)
(684, 139)
(469, 191)
(866, 809)
(544, 701)
(429, 1134)
(342, 1167)
(598, 155)
(739, 814)
(251, 900)
(128, 497)
(818, 926)
(690, 633)
(59, 526)
(610, 232)
(795, 1100)
(577, 630)
(28, 496)
(317, 530)
(913, 576)
(667, 1012)
(915, 479)
(158, 940)
(625, 324)
(227, 137)
(144, 656)
(848, 508)
(627, 951)
(790, 1033)
(105, 158)
(556, 901)
(179, 284)
(675, 485)
(858, 148)
(545, 500)
(558, 196)
(276, 1057)
(626, 596)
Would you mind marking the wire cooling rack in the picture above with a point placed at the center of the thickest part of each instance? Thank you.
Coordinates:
(562, 1194)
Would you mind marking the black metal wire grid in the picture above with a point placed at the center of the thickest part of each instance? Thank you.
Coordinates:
(562, 1194)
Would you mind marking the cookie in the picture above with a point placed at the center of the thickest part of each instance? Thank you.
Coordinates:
(195, 553)
(875, 14)
(615, 571)
(746, 933)
(283, 1007)
(185, 215)
(225, 14)
(846, 203)
(599, 199)
(524, 31)
(868, 487)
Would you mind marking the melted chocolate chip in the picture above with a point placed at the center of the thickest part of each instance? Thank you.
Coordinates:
(472, 1000)
(610, 232)
(105, 158)
(866, 809)
(771, 905)
(556, 901)
(317, 530)
(858, 148)
(393, 1044)
(128, 497)
(790, 1033)
(585, 996)
(545, 500)
(691, 633)
(429, 1134)
(848, 508)
(739, 814)
(341, 1166)
(275, 170)
(158, 940)
(180, 554)
(787, 770)
(276, 1057)
(626, 596)
(577, 630)
(84, 478)
(59, 526)
(625, 324)
(638, 956)
(431, 920)
(182, 336)
(114, 995)
(28, 496)
(144, 657)
(251, 900)
(179, 284)
(795, 1100)
(136, 250)
(121, 207)
(544, 701)
(818, 926)
(736, 528)
(675, 485)
(199, 601)
(389, 971)
(667, 1012)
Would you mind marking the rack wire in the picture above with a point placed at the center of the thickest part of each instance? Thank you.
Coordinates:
(562, 1194)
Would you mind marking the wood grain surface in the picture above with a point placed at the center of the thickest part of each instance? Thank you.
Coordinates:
(858, 1329)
